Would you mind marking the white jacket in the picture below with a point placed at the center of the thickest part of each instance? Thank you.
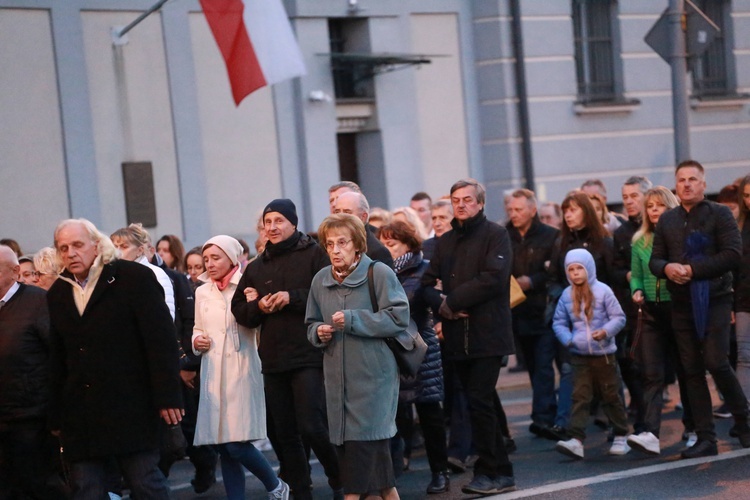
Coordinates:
(232, 405)
(164, 281)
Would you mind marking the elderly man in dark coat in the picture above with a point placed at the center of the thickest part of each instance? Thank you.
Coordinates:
(25, 444)
(473, 262)
(114, 364)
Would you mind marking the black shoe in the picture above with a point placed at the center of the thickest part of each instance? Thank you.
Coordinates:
(742, 432)
(722, 411)
(440, 483)
(483, 485)
(203, 481)
(702, 448)
(557, 433)
(537, 429)
(510, 445)
(456, 465)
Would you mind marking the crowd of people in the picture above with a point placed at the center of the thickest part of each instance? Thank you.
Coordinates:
(127, 356)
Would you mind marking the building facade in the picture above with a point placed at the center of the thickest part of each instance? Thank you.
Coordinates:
(400, 96)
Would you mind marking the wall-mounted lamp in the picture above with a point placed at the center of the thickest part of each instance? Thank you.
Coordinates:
(353, 6)
(318, 96)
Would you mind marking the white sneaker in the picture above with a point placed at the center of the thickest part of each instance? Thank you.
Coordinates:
(691, 440)
(572, 448)
(281, 492)
(645, 442)
(619, 446)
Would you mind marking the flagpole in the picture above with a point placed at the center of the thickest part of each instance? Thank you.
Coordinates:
(140, 18)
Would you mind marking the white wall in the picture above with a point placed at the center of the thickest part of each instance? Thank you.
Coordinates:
(440, 102)
(32, 167)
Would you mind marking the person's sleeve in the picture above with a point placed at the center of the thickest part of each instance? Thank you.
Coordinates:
(615, 315)
(156, 328)
(314, 316)
(659, 252)
(246, 313)
(58, 374)
(561, 324)
(729, 248)
(493, 277)
(393, 308)
(621, 262)
(298, 297)
(636, 270)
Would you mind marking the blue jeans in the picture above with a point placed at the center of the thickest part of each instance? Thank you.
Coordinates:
(539, 353)
(139, 469)
(709, 354)
(236, 455)
(565, 389)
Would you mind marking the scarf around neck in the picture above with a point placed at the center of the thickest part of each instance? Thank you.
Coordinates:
(224, 282)
(275, 249)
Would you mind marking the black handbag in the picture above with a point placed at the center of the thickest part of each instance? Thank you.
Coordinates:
(408, 347)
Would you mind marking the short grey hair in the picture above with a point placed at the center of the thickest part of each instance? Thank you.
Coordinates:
(481, 193)
(345, 184)
(642, 182)
(441, 203)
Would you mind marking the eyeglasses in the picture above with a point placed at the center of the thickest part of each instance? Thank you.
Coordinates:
(330, 245)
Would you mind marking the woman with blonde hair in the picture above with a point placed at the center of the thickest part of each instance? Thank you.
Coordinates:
(657, 344)
(47, 267)
(132, 243)
(609, 221)
(410, 216)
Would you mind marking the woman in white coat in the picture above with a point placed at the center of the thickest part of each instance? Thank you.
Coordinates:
(231, 411)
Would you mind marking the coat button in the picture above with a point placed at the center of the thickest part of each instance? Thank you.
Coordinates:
(87, 386)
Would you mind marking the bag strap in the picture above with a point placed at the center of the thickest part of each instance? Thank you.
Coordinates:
(371, 286)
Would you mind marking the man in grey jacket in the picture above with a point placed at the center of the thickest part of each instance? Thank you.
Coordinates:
(697, 245)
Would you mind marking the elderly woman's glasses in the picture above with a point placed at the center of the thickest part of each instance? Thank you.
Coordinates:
(330, 245)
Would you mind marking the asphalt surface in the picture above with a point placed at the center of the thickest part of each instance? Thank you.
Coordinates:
(542, 473)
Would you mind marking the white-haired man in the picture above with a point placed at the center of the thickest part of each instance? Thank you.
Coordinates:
(114, 368)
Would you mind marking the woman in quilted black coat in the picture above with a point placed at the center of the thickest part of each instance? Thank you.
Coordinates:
(426, 392)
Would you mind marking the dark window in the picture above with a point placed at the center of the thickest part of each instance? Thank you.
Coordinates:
(348, 164)
(350, 36)
(711, 70)
(596, 38)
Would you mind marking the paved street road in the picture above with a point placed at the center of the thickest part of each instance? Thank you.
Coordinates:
(542, 473)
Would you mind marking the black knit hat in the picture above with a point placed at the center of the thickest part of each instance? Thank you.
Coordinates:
(285, 207)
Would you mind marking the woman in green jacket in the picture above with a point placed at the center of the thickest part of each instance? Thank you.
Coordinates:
(657, 344)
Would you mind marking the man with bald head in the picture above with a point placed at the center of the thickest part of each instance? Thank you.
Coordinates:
(24, 355)
(355, 204)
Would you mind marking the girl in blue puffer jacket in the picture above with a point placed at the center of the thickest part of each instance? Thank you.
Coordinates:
(587, 318)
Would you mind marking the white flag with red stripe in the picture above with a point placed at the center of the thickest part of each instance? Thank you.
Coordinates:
(256, 41)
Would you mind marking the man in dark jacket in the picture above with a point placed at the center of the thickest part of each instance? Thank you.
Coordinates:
(272, 294)
(633, 191)
(533, 243)
(114, 364)
(25, 444)
(697, 245)
(473, 262)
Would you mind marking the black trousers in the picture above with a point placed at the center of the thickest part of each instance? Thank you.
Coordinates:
(296, 404)
(432, 422)
(479, 377)
(710, 354)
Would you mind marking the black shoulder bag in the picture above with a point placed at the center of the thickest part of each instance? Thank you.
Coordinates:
(408, 346)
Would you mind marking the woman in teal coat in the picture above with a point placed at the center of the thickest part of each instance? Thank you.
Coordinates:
(361, 376)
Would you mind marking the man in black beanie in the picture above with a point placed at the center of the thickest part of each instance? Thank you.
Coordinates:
(272, 293)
